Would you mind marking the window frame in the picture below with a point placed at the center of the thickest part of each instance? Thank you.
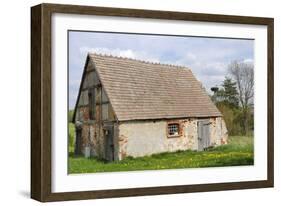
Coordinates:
(168, 129)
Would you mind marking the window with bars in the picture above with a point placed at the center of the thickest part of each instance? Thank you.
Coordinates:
(173, 129)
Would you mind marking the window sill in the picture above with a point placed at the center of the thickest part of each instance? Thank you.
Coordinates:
(173, 136)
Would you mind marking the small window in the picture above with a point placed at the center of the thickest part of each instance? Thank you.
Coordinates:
(173, 129)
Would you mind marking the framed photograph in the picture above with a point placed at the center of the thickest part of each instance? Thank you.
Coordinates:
(130, 102)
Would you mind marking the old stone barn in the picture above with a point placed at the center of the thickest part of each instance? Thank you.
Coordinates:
(128, 107)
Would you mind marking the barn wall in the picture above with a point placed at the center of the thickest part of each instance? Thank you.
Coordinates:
(92, 129)
(92, 136)
(140, 138)
(218, 131)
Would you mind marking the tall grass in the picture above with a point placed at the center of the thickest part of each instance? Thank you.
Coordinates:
(239, 151)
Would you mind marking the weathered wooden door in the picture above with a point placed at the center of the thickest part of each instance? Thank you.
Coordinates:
(203, 127)
(109, 143)
(78, 140)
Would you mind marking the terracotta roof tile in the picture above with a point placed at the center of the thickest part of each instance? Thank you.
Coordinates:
(141, 90)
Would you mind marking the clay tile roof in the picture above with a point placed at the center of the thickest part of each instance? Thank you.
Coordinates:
(141, 90)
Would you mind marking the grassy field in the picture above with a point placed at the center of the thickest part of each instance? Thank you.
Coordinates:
(239, 151)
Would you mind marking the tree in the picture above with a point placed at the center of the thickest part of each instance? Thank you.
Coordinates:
(230, 116)
(228, 93)
(226, 100)
(243, 74)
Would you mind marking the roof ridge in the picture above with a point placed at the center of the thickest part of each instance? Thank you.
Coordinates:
(138, 60)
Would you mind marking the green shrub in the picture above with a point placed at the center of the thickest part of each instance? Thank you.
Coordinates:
(71, 137)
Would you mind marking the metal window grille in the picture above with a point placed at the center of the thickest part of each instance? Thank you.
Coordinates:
(173, 129)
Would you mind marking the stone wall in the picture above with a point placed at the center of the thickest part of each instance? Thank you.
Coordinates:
(93, 137)
(141, 138)
(218, 133)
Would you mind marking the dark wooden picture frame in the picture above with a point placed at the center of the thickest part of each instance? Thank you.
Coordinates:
(41, 117)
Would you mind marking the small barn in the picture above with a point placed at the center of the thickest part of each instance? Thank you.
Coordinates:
(127, 107)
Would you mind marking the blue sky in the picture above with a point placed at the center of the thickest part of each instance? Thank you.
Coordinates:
(208, 58)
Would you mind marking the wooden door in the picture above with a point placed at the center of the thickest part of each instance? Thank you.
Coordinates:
(203, 127)
(109, 143)
(78, 140)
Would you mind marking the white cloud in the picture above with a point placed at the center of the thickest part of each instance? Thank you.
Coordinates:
(202, 66)
(129, 53)
(250, 61)
(210, 72)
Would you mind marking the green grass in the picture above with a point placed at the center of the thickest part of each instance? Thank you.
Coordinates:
(71, 141)
(239, 151)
